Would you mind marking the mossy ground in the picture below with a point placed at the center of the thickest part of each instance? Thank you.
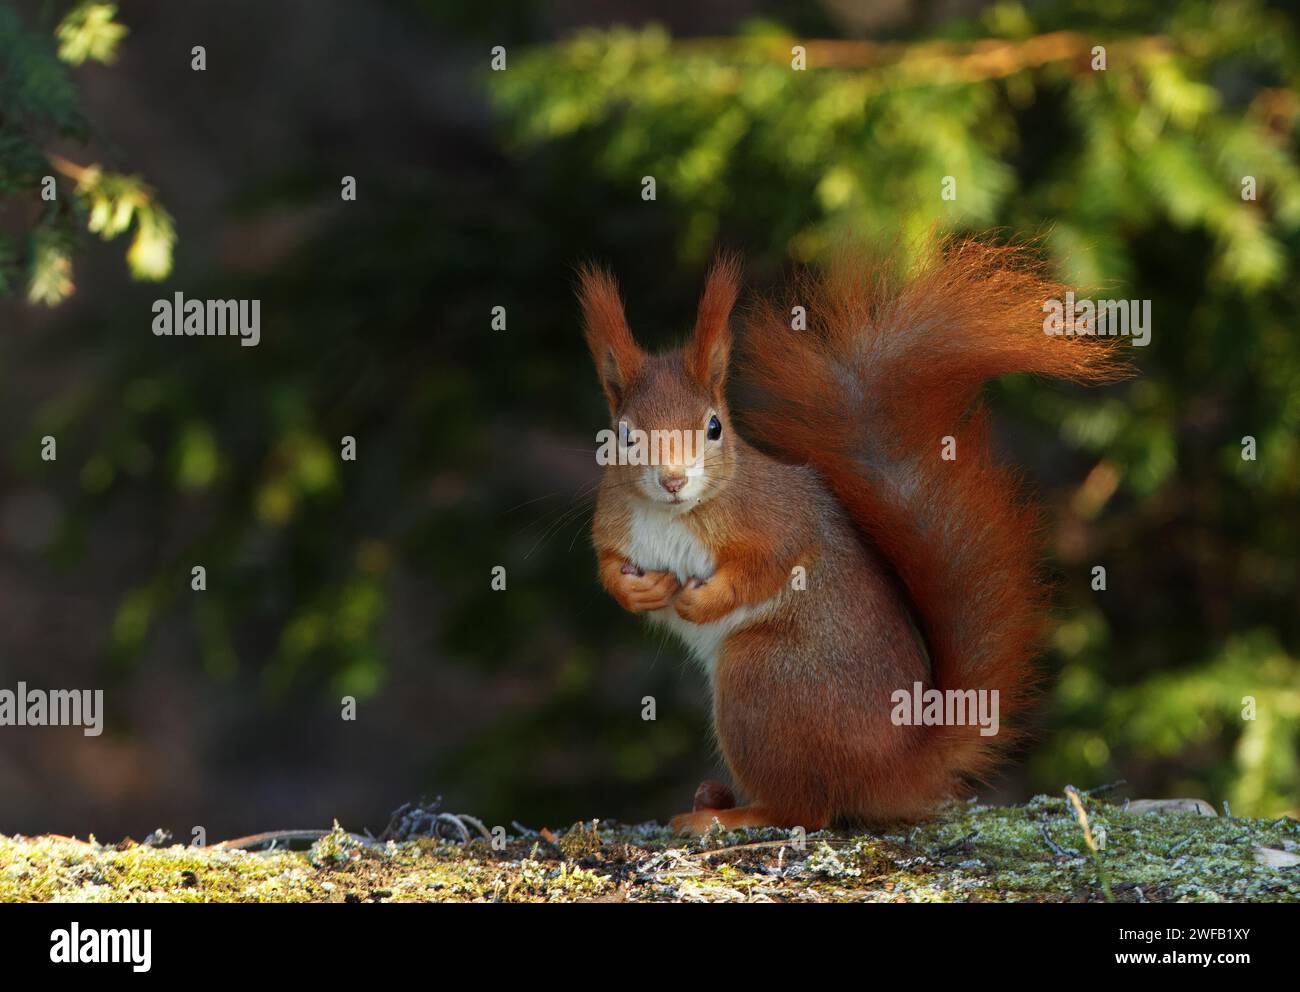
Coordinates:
(1034, 852)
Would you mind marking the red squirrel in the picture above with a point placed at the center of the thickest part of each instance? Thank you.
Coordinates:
(868, 474)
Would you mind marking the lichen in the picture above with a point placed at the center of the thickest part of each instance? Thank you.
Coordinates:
(1033, 852)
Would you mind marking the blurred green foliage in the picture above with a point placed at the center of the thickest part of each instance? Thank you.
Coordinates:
(471, 442)
(38, 105)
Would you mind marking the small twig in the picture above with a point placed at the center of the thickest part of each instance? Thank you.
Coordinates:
(78, 173)
(474, 822)
(61, 838)
(1057, 849)
(1179, 846)
(271, 838)
(957, 844)
(989, 58)
(829, 841)
(747, 847)
(1107, 787)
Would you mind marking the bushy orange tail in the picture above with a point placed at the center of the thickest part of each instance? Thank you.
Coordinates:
(891, 365)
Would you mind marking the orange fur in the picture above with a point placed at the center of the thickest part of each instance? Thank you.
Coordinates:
(617, 357)
(891, 536)
(709, 350)
(891, 365)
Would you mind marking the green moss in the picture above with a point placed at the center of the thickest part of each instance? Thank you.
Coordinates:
(1167, 857)
(1033, 852)
(55, 869)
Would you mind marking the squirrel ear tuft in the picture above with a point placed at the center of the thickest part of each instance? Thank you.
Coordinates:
(616, 354)
(709, 349)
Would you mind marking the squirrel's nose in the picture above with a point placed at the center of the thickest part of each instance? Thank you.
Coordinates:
(672, 483)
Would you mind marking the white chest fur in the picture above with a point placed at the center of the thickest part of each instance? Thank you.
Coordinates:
(660, 541)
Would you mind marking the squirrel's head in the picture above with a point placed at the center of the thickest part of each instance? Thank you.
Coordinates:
(672, 443)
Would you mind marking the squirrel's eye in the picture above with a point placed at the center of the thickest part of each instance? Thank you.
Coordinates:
(715, 428)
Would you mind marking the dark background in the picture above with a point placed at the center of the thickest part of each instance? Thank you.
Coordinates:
(476, 189)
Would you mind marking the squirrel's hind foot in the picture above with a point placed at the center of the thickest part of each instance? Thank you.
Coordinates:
(737, 818)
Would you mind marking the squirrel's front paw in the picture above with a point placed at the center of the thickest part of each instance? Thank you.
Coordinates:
(702, 601)
(640, 592)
